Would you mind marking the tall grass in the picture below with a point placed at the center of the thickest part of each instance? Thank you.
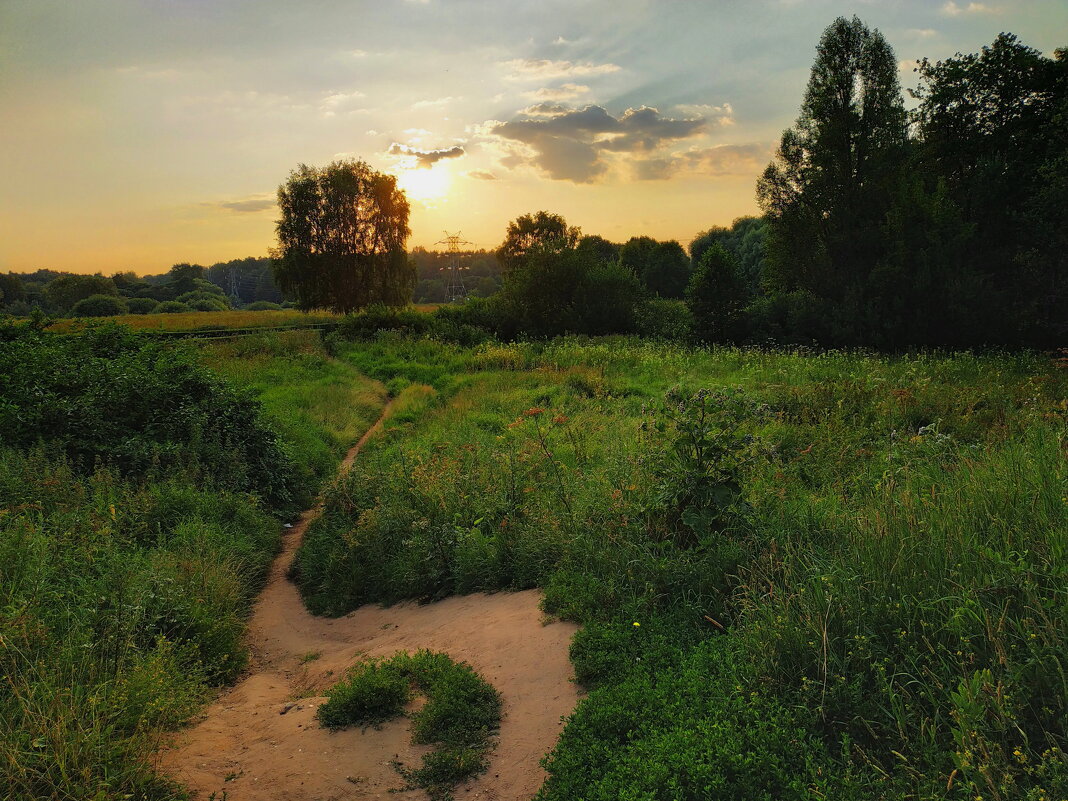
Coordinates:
(879, 613)
(125, 583)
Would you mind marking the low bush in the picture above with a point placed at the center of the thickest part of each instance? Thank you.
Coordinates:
(99, 306)
(141, 305)
(461, 714)
(262, 305)
(171, 307)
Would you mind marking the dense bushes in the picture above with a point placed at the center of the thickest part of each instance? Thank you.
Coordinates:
(99, 306)
(110, 396)
(843, 580)
(131, 546)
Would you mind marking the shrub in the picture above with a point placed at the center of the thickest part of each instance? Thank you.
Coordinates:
(109, 395)
(141, 305)
(171, 307)
(99, 306)
(660, 318)
(206, 305)
(461, 713)
(262, 305)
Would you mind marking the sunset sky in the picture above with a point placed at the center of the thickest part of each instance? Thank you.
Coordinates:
(141, 133)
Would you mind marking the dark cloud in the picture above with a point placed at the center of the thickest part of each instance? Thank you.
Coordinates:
(426, 158)
(569, 144)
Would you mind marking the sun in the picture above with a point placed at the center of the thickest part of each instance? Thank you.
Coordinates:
(425, 185)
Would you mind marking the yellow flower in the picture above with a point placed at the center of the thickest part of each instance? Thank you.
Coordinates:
(636, 623)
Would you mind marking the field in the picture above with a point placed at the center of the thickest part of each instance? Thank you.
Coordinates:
(798, 575)
(193, 321)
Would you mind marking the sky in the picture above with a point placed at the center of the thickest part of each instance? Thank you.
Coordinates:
(136, 134)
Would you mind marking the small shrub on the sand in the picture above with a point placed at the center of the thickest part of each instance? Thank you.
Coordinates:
(372, 693)
(461, 714)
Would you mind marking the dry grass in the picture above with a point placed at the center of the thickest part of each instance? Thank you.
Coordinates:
(187, 321)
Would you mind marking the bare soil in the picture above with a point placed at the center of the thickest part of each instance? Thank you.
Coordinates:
(260, 740)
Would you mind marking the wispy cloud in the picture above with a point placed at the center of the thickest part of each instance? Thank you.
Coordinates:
(342, 103)
(249, 204)
(542, 68)
(952, 9)
(717, 161)
(426, 158)
(565, 91)
(438, 103)
(722, 115)
(482, 175)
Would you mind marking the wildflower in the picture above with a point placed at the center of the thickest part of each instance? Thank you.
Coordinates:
(636, 624)
(533, 411)
(560, 419)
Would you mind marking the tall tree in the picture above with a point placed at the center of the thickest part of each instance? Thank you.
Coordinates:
(716, 297)
(993, 126)
(661, 266)
(828, 191)
(542, 231)
(341, 238)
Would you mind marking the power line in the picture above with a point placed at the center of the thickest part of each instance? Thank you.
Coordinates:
(455, 291)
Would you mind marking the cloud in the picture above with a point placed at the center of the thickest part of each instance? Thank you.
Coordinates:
(907, 65)
(717, 161)
(482, 175)
(565, 91)
(342, 103)
(572, 144)
(922, 33)
(441, 101)
(252, 203)
(723, 115)
(951, 9)
(524, 69)
(425, 158)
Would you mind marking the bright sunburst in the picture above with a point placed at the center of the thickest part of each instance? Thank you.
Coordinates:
(424, 185)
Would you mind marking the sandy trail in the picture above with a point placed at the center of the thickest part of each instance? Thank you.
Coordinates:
(260, 740)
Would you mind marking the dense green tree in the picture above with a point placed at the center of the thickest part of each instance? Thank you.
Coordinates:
(540, 231)
(662, 267)
(183, 278)
(63, 292)
(716, 297)
(11, 289)
(600, 247)
(341, 238)
(828, 192)
(993, 126)
(746, 239)
(567, 292)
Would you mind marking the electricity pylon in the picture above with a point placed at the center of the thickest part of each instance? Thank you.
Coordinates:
(455, 291)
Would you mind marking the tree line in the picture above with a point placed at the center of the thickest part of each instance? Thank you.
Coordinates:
(240, 283)
(943, 226)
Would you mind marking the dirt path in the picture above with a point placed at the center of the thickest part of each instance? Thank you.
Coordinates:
(260, 740)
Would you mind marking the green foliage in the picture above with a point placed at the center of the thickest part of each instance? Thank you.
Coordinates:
(99, 306)
(662, 267)
(171, 307)
(262, 305)
(746, 240)
(62, 293)
(141, 305)
(847, 575)
(461, 714)
(531, 233)
(341, 238)
(107, 395)
(548, 293)
(716, 296)
(660, 318)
